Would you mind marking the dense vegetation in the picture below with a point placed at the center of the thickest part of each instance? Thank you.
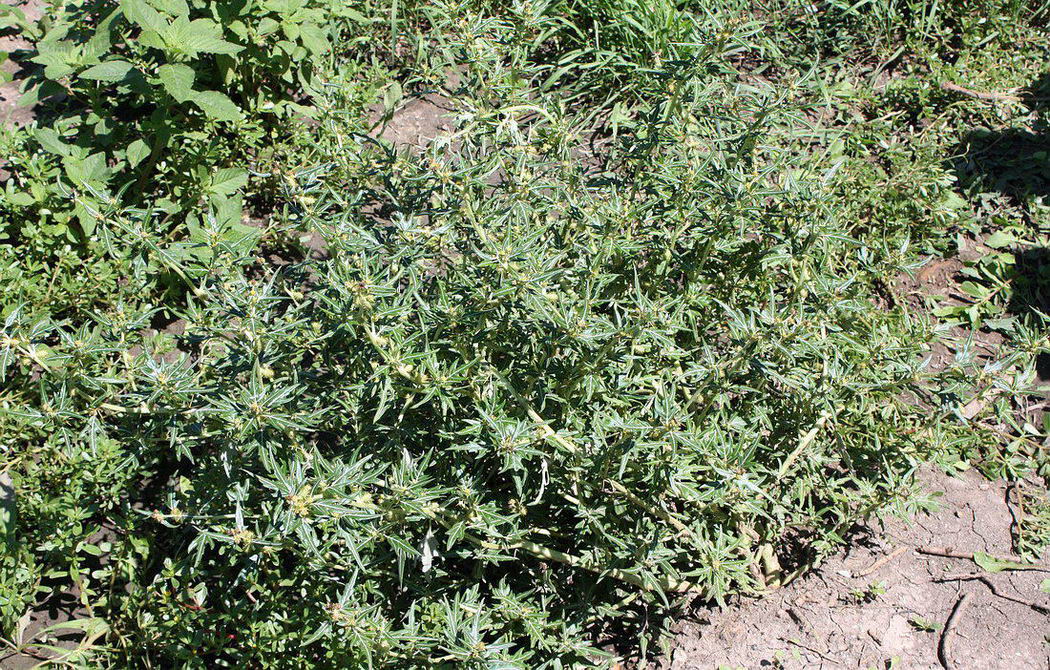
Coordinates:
(636, 332)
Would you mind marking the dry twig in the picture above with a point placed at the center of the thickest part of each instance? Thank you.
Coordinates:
(950, 552)
(949, 629)
(946, 552)
(980, 95)
(983, 578)
(881, 562)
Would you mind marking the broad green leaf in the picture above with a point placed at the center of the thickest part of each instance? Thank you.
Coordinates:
(136, 152)
(949, 310)
(177, 80)
(209, 45)
(227, 67)
(92, 549)
(151, 38)
(990, 563)
(197, 37)
(217, 106)
(228, 180)
(953, 200)
(86, 217)
(1000, 239)
(973, 313)
(141, 13)
(111, 70)
(51, 142)
(172, 7)
(24, 199)
(313, 38)
(101, 42)
(291, 30)
(55, 52)
(283, 7)
(91, 170)
(267, 26)
(391, 96)
(14, 17)
(239, 28)
(227, 211)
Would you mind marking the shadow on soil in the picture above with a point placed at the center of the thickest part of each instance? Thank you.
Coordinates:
(1015, 162)
(1012, 161)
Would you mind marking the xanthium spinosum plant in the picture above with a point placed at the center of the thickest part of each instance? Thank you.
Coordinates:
(522, 394)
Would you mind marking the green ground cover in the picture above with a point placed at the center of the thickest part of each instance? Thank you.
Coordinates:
(637, 331)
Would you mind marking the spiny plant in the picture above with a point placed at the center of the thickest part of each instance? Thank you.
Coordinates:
(523, 396)
(541, 387)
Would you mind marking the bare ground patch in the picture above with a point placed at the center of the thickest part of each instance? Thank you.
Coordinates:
(10, 111)
(845, 615)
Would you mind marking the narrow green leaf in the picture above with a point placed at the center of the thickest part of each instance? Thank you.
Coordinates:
(990, 563)
(974, 290)
(7, 513)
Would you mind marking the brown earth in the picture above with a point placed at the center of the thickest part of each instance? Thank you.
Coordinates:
(417, 122)
(843, 616)
(10, 112)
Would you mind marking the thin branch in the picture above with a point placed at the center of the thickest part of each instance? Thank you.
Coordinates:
(881, 562)
(949, 552)
(806, 440)
(949, 630)
(984, 579)
(653, 511)
(980, 95)
(666, 584)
